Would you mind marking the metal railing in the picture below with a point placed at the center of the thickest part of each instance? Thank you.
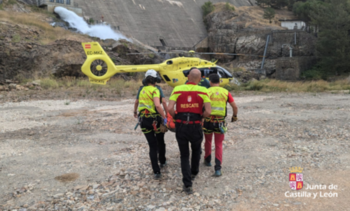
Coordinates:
(44, 2)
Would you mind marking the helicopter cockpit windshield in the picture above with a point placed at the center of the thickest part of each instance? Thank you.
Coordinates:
(223, 73)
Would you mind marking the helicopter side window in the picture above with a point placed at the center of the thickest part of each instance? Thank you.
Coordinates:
(214, 70)
(220, 75)
(224, 73)
(186, 72)
(166, 78)
(169, 62)
(205, 71)
(202, 72)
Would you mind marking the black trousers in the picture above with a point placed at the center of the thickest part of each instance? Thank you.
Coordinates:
(156, 147)
(193, 134)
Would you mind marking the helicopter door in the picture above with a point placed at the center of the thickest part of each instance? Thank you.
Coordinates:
(205, 72)
(221, 74)
(224, 78)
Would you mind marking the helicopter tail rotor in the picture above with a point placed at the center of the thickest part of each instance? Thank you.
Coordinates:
(97, 66)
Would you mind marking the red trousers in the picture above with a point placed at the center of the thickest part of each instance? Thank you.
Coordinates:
(219, 138)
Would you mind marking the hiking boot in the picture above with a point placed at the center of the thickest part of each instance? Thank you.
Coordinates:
(188, 190)
(163, 165)
(217, 173)
(157, 176)
(207, 163)
(193, 177)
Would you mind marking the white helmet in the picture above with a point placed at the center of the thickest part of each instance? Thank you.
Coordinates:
(152, 73)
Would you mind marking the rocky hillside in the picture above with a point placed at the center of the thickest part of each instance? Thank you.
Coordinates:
(244, 32)
(32, 48)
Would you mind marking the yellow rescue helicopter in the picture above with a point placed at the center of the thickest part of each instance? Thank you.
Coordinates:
(100, 68)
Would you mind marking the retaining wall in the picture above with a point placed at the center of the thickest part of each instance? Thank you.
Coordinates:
(179, 23)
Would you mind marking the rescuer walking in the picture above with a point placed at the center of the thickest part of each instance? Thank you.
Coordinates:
(189, 99)
(215, 123)
(151, 117)
(163, 129)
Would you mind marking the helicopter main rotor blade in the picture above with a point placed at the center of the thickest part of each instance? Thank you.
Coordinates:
(229, 54)
(155, 53)
(198, 53)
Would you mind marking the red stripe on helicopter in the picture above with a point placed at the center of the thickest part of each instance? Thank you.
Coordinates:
(87, 46)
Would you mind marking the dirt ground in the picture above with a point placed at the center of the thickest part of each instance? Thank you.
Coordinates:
(85, 155)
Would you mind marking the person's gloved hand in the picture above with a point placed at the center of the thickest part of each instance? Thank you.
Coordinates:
(234, 118)
(165, 120)
(163, 129)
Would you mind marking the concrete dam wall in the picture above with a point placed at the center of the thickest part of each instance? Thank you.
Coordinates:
(178, 23)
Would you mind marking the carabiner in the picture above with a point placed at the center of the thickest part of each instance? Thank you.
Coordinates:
(155, 125)
(188, 119)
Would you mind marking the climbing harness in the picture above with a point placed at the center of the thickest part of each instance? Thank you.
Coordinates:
(215, 124)
(152, 119)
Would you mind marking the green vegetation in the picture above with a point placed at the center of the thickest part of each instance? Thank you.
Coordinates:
(313, 74)
(91, 21)
(207, 8)
(16, 38)
(302, 9)
(48, 33)
(67, 82)
(229, 7)
(83, 83)
(269, 14)
(332, 18)
(269, 85)
(48, 83)
(22, 79)
(117, 85)
(276, 4)
(11, 2)
(120, 87)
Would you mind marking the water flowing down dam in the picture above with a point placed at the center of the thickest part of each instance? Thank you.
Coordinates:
(177, 23)
(100, 30)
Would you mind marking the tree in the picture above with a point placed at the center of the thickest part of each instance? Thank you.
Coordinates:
(207, 8)
(303, 9)
(229, 7)
(269, 13)
(333, 45)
